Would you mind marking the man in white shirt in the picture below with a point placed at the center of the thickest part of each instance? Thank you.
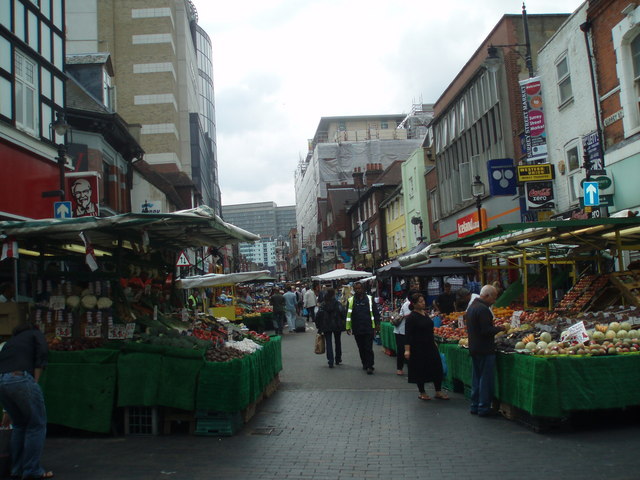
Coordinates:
(310, 301)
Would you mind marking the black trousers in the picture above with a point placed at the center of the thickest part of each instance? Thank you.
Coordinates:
(365, 348)
(399, 351)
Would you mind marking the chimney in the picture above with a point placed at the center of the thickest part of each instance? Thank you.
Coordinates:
(357, 178)
(374, 170)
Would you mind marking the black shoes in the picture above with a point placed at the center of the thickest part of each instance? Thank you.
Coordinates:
(370, 371)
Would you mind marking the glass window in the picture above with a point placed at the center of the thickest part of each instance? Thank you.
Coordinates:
(635, 57)
(45, 8)
(26, 94)
(57, 13)
(58, 92)
(5, 54)
(5, 14)
(45, 44)
(45, 83)
(18, 20)
(573, 159)
(564, 80)
(58, 53)
(5, 97)
(33, 31)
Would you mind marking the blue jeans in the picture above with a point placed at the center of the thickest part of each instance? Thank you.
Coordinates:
(482, 383)
(329, 347)
(291, 319)
(22, 398)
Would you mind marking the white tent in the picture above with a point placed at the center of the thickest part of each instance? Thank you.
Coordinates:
(213, 279)
(341, 274)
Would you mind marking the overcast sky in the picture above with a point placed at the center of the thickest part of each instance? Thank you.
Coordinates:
(281, 65)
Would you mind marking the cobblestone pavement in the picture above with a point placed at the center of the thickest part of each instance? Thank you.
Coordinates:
(343, 424)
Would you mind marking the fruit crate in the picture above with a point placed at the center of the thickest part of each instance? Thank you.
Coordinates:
(217, 423)
(141, 421)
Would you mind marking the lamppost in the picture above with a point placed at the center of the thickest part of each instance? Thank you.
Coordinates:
(477, 189)
(493, 61)
(59, 128)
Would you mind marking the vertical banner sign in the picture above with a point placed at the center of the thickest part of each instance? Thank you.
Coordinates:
(303, 257)
(535, 136)
(591, 148)
(539, 195)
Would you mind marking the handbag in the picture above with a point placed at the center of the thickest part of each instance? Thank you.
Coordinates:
(396, 319)
(319, 346)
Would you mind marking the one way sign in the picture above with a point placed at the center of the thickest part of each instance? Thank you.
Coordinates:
(62, 210)
(591, 194)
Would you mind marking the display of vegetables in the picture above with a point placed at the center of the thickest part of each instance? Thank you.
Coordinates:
(222, 353)
(73, 344)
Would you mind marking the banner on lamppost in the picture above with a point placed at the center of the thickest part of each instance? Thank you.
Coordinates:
(363, 246)
(303, 257)
(535, 136)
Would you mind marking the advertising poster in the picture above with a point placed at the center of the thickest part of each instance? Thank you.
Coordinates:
(82, 190)
(328, 250)
(591, 148)
(535, 136)
(539, 195)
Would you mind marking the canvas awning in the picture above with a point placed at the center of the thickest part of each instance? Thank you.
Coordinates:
(215, 279)
(197, 227)
(341, 274)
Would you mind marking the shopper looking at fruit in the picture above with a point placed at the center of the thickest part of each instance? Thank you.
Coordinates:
(420, 349)
(21, 362)
(482, 348)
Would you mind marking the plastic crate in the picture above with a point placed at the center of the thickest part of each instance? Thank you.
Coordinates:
(218, 423)
(141, 421)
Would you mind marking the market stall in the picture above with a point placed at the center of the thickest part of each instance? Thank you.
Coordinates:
(102, 291)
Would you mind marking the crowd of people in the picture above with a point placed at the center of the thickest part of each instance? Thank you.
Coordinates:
(354, 311)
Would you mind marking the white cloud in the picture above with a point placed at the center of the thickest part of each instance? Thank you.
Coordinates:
(279, 66)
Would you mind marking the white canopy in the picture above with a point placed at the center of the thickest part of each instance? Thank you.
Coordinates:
(341, 274)
(213, 279)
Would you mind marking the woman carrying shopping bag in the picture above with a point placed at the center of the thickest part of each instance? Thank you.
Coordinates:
(330, 321)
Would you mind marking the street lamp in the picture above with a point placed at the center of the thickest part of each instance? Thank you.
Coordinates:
(478, 190)
(493, 61)
(60, 128)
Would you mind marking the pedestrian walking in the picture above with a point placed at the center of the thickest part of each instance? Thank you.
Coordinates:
(21, 362)
(291, 308)
(310, 300)
(421, 350)
(482, 348)
(363, 319)
(330, 321)
(277, 301)
(399, 332)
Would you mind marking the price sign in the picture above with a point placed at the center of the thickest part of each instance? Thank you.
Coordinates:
(92, 331)
(575, 334)
(63, 330)
(515, 318)
(185, 315)
(131, 327)
(57, 302)
(461, 322)
(117, 332)
(155, 312)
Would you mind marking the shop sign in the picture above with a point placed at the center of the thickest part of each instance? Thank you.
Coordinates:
(469, 223)
(328, 250)
(535, 136)
(502, 176)
(534, 173)
(591, 148)
(150, 207)
(605, 185)
(539, 195)
(83, 190)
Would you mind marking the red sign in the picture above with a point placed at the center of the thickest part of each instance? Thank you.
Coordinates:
(83, 192)
(469, 223)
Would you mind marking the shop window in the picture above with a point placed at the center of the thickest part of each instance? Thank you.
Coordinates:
(635, 60)
(574, 176)
(563, 75)
(26, 93)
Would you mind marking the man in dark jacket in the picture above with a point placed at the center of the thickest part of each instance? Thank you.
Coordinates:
(482, 348)
(278, 303)
(363, 319)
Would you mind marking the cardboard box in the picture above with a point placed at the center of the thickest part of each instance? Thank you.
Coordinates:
(12, 314)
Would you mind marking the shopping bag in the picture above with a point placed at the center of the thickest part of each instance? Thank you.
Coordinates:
(319, 346)
(445, 369)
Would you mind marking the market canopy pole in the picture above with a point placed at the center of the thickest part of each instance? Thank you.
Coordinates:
(549, 280)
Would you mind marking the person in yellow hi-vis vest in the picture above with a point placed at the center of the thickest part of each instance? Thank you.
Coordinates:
(363, 320)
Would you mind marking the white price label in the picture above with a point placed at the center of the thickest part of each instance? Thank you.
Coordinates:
(117, 332)
(515, 318)
(461, 322)
(57, 302)
(92, 331)
(131, 327)
(185, 315)
(63, 330)
(575, 334)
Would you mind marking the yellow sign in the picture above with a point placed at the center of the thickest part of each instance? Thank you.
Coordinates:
(531, 173)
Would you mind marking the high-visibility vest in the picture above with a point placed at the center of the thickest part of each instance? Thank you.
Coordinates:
(350, 309)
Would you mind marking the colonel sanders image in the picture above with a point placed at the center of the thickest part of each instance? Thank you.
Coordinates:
(82, 192)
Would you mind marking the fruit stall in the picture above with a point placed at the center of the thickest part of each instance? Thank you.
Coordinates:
(124, 353)
(580, 352)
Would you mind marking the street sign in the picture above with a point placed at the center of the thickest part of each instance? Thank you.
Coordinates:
(591, 194)
(183, 260)
(62, 210)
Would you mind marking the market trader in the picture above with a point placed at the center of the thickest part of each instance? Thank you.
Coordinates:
(194, 301)
(445, 302)
(21, 362)
(363, 319)
(482, 348)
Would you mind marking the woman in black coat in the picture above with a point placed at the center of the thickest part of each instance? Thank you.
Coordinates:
(421, 351)
(331, 322)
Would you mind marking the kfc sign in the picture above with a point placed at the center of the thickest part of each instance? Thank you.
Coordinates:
(82, 188)
(469, 223)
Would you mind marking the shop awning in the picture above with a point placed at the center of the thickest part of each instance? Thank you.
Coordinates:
(215, 279)
(197, 227)
(341, 274)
